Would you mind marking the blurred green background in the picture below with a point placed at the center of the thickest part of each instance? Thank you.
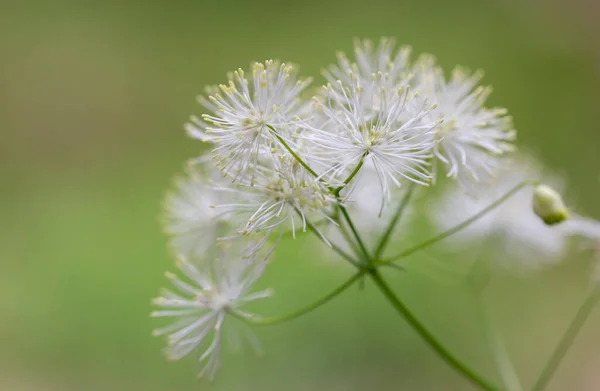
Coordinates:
(93, 96)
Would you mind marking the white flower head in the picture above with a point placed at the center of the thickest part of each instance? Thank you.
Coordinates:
(472, 138)
(191, 218)
(371, 60)
(524, 238)
(385, 129)
(283, 195)
(243, 110)
(202, 301)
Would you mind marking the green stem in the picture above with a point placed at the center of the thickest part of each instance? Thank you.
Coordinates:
(345, 233)
(292, 152)
(567, 340)
(397, 215)
(359, 240)
(460, 226)
(351, 176)
(304, 310)
(403, 310)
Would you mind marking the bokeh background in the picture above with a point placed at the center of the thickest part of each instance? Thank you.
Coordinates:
(93, 96)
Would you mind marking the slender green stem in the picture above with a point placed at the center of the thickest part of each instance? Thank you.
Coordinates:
(359, 240)
(567, 340)
(338, 189)
(392, 225)
(502, 361)
(345, 234)
(403, 310)
(460, 226)
(292, 152)
(304, 310)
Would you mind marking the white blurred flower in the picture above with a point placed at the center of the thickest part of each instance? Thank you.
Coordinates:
(391, 135)
(201, 303)
(191, 218)
(524, 238)
(589, 230)
(585, 227)
(472, 138)
(241, 111)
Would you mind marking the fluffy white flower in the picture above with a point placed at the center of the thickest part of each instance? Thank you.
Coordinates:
(282, 195)
(191, 218)
(523, 236)
(371, 60)
(201, 303)
(390, 134)
(472, 138)
(241, 111)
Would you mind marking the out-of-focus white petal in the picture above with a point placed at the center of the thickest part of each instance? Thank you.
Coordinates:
(525, 239)
(201, 302)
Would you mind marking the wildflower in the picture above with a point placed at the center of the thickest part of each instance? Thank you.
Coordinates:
(472, 138)
(392, 135)
(548, 205)
(368, 61)
(243, 110)
(524, 238)
(191, 218)
(285, 193)
(202, 303)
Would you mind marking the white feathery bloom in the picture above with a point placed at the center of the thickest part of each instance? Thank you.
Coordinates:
(241, 111)
(472, 138)
(201, 303)
(524, 238)
(392, 135)
(277, 196)
(371, 60)
(191, 218)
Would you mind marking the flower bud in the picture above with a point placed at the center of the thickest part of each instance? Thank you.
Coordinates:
(549, 205)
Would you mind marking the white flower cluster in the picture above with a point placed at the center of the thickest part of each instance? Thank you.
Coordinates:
(284, 160)
(214, 290)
